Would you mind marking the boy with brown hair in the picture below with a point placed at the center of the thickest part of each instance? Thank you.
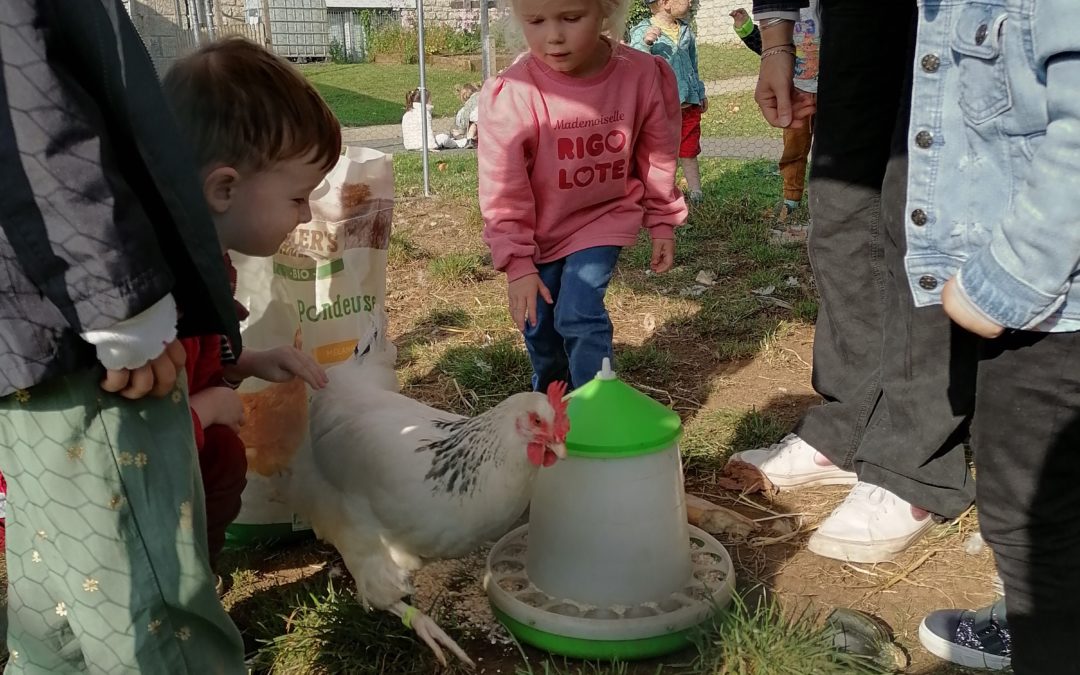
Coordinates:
(262, 148)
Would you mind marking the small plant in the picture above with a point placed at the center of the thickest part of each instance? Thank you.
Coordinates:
(457, 268)
(402, 250)
(643, 359)
(715, 435)
(331, 632)
(492, 373)
(337, 52)
(448, 317)
(763, 641)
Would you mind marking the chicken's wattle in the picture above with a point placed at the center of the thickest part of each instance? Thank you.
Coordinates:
(541, 455)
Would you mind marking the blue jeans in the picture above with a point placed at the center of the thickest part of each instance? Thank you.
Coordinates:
(572, 337)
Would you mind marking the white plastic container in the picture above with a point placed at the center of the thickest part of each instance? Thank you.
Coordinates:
(608, 525)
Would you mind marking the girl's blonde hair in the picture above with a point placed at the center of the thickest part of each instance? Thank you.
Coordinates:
(614, 11)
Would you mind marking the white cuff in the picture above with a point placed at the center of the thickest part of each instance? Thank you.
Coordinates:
(134, 342)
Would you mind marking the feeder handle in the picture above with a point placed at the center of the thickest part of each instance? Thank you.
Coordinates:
(606, 373)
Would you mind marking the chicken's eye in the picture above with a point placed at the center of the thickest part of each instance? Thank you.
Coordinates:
(535, 421)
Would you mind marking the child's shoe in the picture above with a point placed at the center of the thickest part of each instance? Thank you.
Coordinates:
(787, 210)
(795, 463)
(975, 639)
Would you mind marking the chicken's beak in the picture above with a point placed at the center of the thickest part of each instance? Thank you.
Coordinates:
(559, 449)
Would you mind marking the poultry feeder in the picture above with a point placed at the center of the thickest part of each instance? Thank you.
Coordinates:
(608, 567)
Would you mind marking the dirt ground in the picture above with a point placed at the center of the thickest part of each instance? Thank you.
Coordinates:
(937, 572)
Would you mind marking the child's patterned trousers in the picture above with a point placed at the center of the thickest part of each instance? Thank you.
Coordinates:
(106, 536)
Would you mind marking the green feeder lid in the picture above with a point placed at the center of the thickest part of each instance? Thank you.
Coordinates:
(610, 419)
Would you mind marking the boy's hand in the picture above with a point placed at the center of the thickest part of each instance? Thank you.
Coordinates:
(280, 364)
(803, 106)
(157, 378)
(704, 105)
(219, 405)
(739, 16)
(965, 314)
(663, 255)
(522, 295)
(652, 35)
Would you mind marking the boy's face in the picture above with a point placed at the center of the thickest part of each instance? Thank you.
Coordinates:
(258, 210)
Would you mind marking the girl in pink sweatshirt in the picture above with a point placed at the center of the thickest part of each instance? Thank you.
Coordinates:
(579, 153)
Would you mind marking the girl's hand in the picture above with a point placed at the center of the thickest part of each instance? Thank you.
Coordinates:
(522, 296)
(652, 35)
(965, 314)
(704, 105)
(219, 405)
(280, 364)
(740, 16)
(156, 378)
(663, 255)
(803, 106)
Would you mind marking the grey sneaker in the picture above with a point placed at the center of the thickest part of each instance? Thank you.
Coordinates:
(974, 639)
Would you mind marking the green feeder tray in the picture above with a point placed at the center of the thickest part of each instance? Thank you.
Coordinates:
(608, 567)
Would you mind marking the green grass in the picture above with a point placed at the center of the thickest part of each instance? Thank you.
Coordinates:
(713, 436)
(402, 250)
(765, 641)
(366, 94)
(736, 115)
(646, 359)
(329, 631)
(451, 175)
(447, 317)
(457, 268)
(492, 372)
(721, 62)
(740, 641)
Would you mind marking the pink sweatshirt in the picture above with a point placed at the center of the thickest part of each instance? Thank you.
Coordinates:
(570, 163)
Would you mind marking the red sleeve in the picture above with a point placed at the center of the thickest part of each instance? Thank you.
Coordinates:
(200, 435)
(204, 363)
(204, 370)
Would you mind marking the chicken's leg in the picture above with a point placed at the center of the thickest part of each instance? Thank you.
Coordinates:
(428, 631)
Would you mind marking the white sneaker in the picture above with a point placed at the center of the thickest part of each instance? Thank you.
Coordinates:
(872, 525)
(795, 463)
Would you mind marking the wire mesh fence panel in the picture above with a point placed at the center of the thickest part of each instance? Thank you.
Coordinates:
(377, 68)
(371, 63)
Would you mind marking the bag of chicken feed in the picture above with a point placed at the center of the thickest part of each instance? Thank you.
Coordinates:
(324, 292)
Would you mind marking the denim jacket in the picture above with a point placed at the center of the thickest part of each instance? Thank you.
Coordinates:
(682, 57)
(994, 159)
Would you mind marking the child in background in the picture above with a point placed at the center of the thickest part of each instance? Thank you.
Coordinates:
(668, 35)
(259, 161)
(465, 122)
(109, 253)
(797, 141)
(578, 155)
(411, 131)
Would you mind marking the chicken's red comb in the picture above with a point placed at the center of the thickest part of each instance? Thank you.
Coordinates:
(556, 393)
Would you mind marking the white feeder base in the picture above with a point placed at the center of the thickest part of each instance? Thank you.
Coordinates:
(511, 592)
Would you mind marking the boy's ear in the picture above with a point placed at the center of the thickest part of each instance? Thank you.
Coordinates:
(219, 187)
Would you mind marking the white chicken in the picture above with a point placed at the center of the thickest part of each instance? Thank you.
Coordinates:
(391, 482)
